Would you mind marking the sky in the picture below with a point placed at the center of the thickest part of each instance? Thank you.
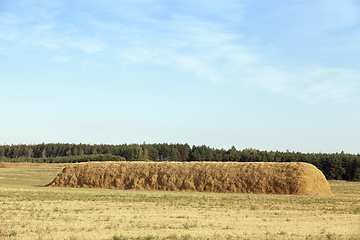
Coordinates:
(270, 75)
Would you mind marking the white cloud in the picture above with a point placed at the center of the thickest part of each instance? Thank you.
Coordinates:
(312, 84)
(333, 15)
(19, 33)
(189, 44)
(197, 66)
(209, 49)
(89, 46)
(210, 52)
(320, 83)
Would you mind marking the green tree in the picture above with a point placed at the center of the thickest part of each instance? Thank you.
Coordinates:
(153, 153)
(2, 151)
(145, 154)
(94, 152)
(184, 150)
(194, 154)
(232, 154)
(29, 152)
(175, 155)
(43, 154)
(138, 153)
(68, 153)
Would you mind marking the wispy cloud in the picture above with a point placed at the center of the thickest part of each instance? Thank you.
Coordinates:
(37, 27)
(330, 16)
(319, 83)
(210, 52)
(208, 49)
(312, 84)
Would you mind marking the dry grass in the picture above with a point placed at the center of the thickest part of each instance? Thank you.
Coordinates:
(34, 174)
(63, 213)
(345, 188)
(230, 177)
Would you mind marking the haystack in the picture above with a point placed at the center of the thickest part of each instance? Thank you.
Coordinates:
(230, 177)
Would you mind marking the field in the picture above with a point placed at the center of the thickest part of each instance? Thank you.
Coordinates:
(30, 211)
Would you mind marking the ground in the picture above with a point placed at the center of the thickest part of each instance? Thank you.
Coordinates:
(28, 210)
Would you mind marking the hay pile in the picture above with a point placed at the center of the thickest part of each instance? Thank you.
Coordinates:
(259, 178)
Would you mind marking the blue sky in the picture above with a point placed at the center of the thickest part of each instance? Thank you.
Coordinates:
(254, 74)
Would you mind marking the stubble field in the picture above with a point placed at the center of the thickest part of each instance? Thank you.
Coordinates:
(30, 211)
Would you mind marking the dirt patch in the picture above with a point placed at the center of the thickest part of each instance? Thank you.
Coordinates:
(259, 178)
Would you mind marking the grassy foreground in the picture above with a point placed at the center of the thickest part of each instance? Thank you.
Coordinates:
(29, 211)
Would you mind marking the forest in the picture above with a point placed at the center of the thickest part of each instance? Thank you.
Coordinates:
(339, 166)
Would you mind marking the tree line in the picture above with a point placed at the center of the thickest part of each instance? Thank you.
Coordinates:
(340, 166)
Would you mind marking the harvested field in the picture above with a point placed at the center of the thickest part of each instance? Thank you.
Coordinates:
(258, 178)
(29, 212)
(22, 173)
